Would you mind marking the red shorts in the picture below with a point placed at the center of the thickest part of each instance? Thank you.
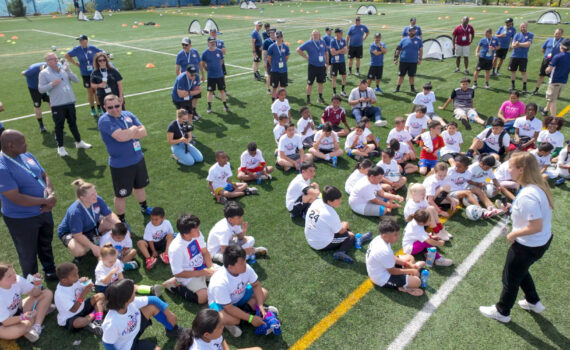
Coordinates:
(253, 170)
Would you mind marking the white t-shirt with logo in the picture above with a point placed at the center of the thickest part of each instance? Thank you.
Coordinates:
(413, 233)
(321, 224)
(391, 170)
(278, 132)
(480, 175)
(11, 299)
(432, 183)
(556, 139)
(425, 100)
(122, 329)
(64, 298)
(412, 206)
(221, 235)
(157, 233)
(404, 149)
(459, 181)
(290, 145)
(186, 256)
(295, 190)
(363, 192)
(219, 175)
(247, 161)
(542, 160)
(224, 288)
(101, 271)
(452, 143)
(403, 136)
(199, 344)
(379, 258)
(302, 124)
(492, 141)
(416, 125)
(126, 243)
(327, 142)
(352, 137)
(527, 127)
(531, 204)
(502, 172)
(279, 108)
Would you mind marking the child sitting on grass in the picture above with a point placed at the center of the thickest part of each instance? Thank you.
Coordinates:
(417, 123)
(291, 153)
(430, 142)
(493, 141)
(280, 129)
(306, 127)
(402, 157)
(158, 234)
(416, 239)
(403, 136)
(356, 144)
(120, 238)
(392, 180)
(480, 172)
(335, 114)
(453, 140)
(360, 170)
(416, 200)
(220, 184)
(326, 145)
(280, 106)
(253, 165)
(369, 199)
(542, 155)
(438, 188)
(463, 106)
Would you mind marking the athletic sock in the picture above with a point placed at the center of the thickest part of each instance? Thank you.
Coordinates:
(437, 227)
(161, 317)
(321, 96)
(98, 316)
(121, 217)
(308, 98)
(513, 84)
(412, 87)
(377, 86)
(358, 70)
(536, 90)
(41, 122)
(334, 90)
(350, 70)
(143, 289)
(225, 104)
(524, 85)
(209, 105)
(342, 87)
(143, 205)
(397, 87)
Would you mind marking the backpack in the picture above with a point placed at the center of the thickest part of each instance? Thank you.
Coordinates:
(501, 147)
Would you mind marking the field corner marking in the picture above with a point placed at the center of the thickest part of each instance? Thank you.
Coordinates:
(564, 111)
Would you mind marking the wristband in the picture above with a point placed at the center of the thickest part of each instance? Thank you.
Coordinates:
(250, 318)
(22, 317)
(80, 300)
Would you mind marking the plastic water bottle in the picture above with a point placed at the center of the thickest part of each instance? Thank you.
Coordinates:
(358, 241)
(251, 259)
(430, 256)
(334, 161)
(425, 278)
(259, 178)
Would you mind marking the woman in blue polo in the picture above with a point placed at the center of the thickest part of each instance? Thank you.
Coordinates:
(84, 220)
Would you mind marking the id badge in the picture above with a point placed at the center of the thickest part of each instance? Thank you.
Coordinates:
(337, 58)
(46, 195)
(321, 59)
(464, 38)
(549, 55)
(108, 90)
(137, 145)
(89, 68)
(281, 64)
(489, 53)
(187, 98)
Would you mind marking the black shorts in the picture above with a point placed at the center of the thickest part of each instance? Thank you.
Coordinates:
(355, 52)
(187, 105)
(543, 66)
(407, 68)
(38, 97)
(299, 208)
(337, 128)
(446, 157)
(320, 73)
(87, 309)
(484, 64)
(501, 53)
(86, 81)
(375, 72)
(257, 54)
(224, 69)
(326, 151)
(91, 234)
(144, 344)
(517, 64)
(216, 82)
(395, 281)
(278, 79)
(125, 179)
(160, 246)
(338, 68)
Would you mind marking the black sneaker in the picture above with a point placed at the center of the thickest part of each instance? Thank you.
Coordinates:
(489, 121)
(51, 276)
(413, 90)
(543, 111)
(43, 130)
(396, 90)
(534, 93)
(466, 124)
(469, 154)
(174, 332)
(322, 100)
(95, 329)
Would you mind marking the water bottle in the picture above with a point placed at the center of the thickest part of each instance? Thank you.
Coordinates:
(425, 278)
(334, 161)
(251, 259)
(358, 241)
(259, 178)
(430, 256)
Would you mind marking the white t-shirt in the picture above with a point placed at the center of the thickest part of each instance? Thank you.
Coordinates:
(199, 344)
(352, 179)
(290, 145)
(101, 271)
(186, 256)
(432, 183)
(302, 124)
(527, 127)
(352, 137)
(556, 139)
(542, 160)
(278, 131)
(412, 206)
(295, 190)
(122, 329)
(493, 140)
(224, 288)
(502, 172)
(157, 233)
(403, 136)
(391, 170)
(363, 192)
(327, 142)
(379, 258)
(425, 100)
(459, 181)
(221, 235)
(452, 143)
(413, 233)
(279, 108)
(11, 299)
(563, 158)
(251, 162)
(404, 149)
(530, 204)
(219, 175)
(125, 243)
(321, 224)
(64, 298)
(480, 175)
(416, 125)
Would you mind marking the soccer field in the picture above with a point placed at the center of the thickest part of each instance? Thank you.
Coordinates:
(304, 284)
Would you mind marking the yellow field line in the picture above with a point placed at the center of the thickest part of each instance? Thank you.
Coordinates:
(564, 111)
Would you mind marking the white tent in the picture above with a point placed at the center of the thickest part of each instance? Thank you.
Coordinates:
(418, 2)
(367, 10)
(209, 25)
(247, 5)
(194, 27)
(432, 50)
(549, 17)
(446, 45)
(97, 16)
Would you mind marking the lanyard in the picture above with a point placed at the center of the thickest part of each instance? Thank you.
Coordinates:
(188, 55)
(27, 169)
(363, 104)
(89, 212)
(86, 55)
(189, 84)
(104, 74)
(555, 43)
(317, 46)
(179, 128)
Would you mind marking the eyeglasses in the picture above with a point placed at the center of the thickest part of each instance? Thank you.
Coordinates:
(113, 107)
(184, 44)
(101, 60)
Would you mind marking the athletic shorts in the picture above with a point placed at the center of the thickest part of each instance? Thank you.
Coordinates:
(461, 51)
(197, 283)
(125, 179)
(160, 246)
(396, 281)
(470, 113)
(224, 69)
(407, 68)
(543, 66)
(246, 296)
(501, 53)
(337, 128)
(553, 91)
(369, 209)
(517, 64)
(218, 83)
(38, 97)
(355, 52)
(487, 149)
(86, 81)
(257, 54)
(144, 344)
(446, 157)
(186, 104)
(427, 163)
(484, 64)
(315, 72)
(278, 79)
(253, 170)
(228, 188)
(87, 309)
(299, 208)
(375, 72)
(338, 69)
(91, 234)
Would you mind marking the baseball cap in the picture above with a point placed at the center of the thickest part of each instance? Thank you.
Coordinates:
(566, 43)
(186, 41)
(191, 69)
(327, 29)
(357, 18)
(272, 30)
(82, 37)
(338, 30)
(213, 30)
(278, 34)
(377, 35)
(414, 28)
(257, 23)
(211, 38)
(509, 20)
(413, 19)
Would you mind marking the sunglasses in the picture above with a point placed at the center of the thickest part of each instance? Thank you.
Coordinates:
(101, 60)
(113, 107)
(184, 44)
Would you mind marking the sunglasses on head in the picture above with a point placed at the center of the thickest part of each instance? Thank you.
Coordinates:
(113, 107)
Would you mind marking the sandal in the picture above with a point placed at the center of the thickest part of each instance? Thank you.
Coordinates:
(412, 291)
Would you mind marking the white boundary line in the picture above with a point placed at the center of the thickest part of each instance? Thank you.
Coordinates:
(415, 325)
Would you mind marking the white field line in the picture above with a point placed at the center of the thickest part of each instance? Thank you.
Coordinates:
(416, 324)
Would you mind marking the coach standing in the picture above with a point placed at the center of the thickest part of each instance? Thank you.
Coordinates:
(84, 54)
(277, 57)
(317, 55)
(462, 37)
(185, 57)
(519, 58)
(355, 37)
(27, 200)
(256, 43)
(32, 79)
(550, 48)
(412, 24)
(559, 68)
(409, 52)
(504, 34)
(121, 132)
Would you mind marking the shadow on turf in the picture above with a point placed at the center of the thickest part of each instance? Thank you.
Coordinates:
(404, 299)
(550, 331)
(533, 340)
(84, 166)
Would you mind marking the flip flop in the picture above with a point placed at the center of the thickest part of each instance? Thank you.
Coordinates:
(413, 291)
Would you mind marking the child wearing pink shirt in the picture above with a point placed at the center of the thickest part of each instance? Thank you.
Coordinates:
(511, 110)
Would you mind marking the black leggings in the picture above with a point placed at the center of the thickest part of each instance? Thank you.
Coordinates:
(60, 114)
(341, 242)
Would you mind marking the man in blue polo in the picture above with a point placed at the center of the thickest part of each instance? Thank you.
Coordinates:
(519, 58)
(355, 37)
(410, 53)
(32, 79)
(212, 62)
(505, 34)
(277, 57)
(338, 48)
(412, 24)
(327, 39)
(550, 48)
(84, 54)
(559, 68)
(317, 55)
(186, 86)
(256, 43)
(121, 132)
(185, 57)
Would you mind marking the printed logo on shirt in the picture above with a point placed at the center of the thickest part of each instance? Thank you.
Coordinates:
(450, 141)
(132, 324)
(195, 254)
(240, 289)
(526, 126)
(290, 147)
(30, 161)
(77, 293)
(459, 180)
(16, 299)
(128, 119)
(96, 209)
(218, 346)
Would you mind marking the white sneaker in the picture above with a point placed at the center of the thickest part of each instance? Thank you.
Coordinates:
(62, 152)
(34, 333)
(273, 310)
(538, 307)
(491, 312)
(444, 262)
(261, 251)
(82, 144)
(444, 235)
(235, 331)
(380, 122)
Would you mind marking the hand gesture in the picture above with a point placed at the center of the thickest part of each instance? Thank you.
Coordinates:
(56, 82)
(257, 321)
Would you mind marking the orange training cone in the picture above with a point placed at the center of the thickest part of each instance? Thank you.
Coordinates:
(124, 24)
(149, 65)
(299, 41)
(15, 37)
(135, 26)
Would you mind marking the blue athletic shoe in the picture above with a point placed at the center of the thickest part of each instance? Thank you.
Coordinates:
(342, 256)
(560, 181)
(366, 237)
(146, 211)
(378, 90)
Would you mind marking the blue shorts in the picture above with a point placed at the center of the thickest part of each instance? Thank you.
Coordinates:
(246, 296)
(427, 163)
(487, 149)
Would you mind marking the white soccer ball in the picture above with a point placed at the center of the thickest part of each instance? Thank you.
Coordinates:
(473, 212)
(161, 15)
(490, 190)
(135, 23)
(54, 48)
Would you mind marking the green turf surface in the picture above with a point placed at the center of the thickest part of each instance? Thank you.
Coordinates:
(304, 284)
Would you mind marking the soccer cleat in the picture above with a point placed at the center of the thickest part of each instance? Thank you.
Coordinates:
(466, 124)
(378, 90)
(491, 312)
(467, 72)
(457, 70)
(524, 91)
(494, 74)
(209, 110)
(93, 113)
(413, 90)
(534, 93)
(380, 122)
(487, 85)
(538, 307)
(342, 256)
(322, 100)
(100, 110)
(474, 86)
(83, 144)
(251, 190)
(444, 235)
(223, 200)
(174, 332)
(43, 130)
(171, 284)
(226, 109)
(268, 92)
(146, 211)
(343, 94)
(196, 117)
(95, 328)
(266, 177)
(235, 331)
(156, 290)
(367, 237)
(150, 262)
(543, 111)
(62, 152)
(396, 90)
(260, 251)
(444, 262)
(34, 333)
(164, 257)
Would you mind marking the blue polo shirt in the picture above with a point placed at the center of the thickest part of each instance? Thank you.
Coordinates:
(121, 154)
(85, 57)
(506, 40)
(184, 59)
(522, 52)
(561, 64)
(220, 44)
(213, 61)
(32, 74)
(356, 33)
(278, 54)
(551, 47)
(407, 29)
(377, 61)
(410, 49)
(484, 51)
(266, 43)
(26, 176)
(79, 219)
(316, 50)
(182, 82)
(255, 35)
(338, 45)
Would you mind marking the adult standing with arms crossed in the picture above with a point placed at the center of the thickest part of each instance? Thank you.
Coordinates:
(185, 57)
(462, 37)
(530, 238)
(519, 58)
(355, 37)
(27, 197)
(410, 52)
(317, 55)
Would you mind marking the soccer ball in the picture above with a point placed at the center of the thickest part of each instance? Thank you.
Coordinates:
(473, 212)
(54, 48)
(490, 190)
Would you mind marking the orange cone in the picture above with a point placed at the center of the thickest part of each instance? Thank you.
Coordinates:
(287, 43)
(299, 41)
(135, 26)
(15, 37)
(2, 35)
(124, 24)
(157, 25)
(149, 65)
